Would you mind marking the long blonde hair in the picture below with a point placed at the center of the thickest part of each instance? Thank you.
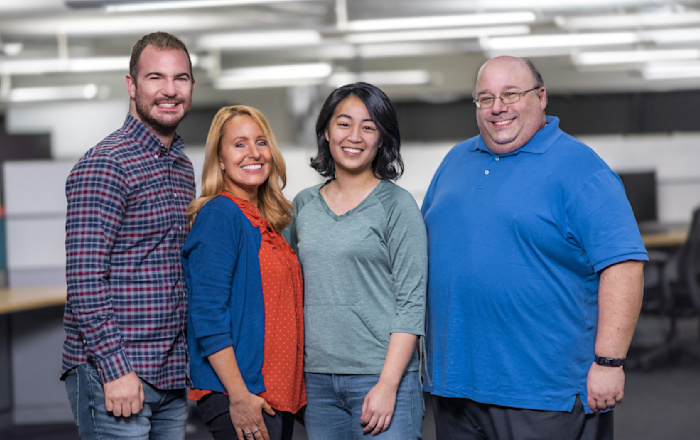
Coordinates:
(272, 204)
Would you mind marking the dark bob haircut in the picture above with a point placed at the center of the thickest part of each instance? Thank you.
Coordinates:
(388, 163)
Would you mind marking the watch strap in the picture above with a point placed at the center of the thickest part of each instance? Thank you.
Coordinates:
(609, 362)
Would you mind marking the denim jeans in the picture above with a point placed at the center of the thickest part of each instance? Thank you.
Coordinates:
(334, 405)
(163, 417)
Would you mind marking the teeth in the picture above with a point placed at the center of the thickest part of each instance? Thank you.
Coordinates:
(352, 150)
(167, 105)
(252, 167)
(507, 121)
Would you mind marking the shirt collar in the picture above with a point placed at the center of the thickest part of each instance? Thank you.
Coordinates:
(138, 130)
(538, 144)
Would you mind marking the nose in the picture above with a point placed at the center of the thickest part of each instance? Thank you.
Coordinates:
(354, 133)
(253, 151)
(498, 106)
(169, 88)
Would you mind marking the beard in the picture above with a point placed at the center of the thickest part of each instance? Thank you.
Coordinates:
(159, 125)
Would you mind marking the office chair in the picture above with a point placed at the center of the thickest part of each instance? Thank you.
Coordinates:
(673, 293)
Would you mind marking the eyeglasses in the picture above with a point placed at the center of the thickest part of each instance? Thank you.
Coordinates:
(506, 98)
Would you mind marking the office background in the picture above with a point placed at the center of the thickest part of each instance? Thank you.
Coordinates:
(623, 76)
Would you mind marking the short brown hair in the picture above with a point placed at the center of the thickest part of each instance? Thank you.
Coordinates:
(159, 40)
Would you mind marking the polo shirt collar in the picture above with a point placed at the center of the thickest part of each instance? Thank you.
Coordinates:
(539, 143)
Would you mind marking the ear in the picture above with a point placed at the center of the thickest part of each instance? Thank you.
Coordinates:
(328, 139)
(543, 99)
(131, 86)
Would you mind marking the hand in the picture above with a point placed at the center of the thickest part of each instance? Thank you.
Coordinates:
(246, 416)
(377, 409)
(606, 387)
(124, 396)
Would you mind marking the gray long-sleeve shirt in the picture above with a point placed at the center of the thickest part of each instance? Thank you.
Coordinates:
(364, 278)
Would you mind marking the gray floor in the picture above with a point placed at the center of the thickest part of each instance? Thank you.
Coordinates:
(662, 402)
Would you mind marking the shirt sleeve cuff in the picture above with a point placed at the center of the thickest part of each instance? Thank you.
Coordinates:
(113, 367)
(212, 344)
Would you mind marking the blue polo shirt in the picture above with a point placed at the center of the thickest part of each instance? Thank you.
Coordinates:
(516, 246)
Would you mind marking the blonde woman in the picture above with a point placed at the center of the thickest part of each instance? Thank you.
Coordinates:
(245, 326)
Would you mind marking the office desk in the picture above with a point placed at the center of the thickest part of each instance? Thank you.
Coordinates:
(19, 300)
(31, 341)
(666, 239)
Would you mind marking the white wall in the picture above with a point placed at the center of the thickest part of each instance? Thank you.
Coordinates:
(74, 126)
(35, 200)
(675, 158)
(35, 205)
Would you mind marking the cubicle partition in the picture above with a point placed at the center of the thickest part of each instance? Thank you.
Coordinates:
(35, 208)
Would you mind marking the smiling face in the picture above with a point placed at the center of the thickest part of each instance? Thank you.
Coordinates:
(245, 157)
(507, 127)
(353, 137)
(162, 92)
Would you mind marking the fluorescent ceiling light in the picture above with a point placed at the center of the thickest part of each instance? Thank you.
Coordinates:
(257, 40)
(169, 5)
(633, 56)
(436, 34)
(671, 70)
(38, 94)
(669, 36)
(553, 4)
(11, 49)
(395, 77)
(273, 76)
(79, 24)
(592, 22)
(406, 49)
(558, 40)
(52, 65)
(441, 21)
(57, 65)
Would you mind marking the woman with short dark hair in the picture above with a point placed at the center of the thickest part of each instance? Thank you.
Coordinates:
(362, 245)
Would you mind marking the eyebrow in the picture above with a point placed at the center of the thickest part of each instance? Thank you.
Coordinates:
(178, 75)
(343, 115)
(508, 87)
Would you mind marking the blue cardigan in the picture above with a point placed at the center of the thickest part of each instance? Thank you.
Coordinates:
(226, 306)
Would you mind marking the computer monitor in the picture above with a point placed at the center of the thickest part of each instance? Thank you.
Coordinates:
(641, 190)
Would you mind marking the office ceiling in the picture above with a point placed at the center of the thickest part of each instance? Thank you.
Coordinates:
(580, 46)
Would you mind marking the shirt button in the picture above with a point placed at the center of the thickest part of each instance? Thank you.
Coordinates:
(486, 172)
(175, 195)
(497, 158)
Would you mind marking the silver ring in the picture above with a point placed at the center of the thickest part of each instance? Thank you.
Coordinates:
(253, 432)
(248, 433)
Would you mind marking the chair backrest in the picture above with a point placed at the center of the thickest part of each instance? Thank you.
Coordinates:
(689, 261)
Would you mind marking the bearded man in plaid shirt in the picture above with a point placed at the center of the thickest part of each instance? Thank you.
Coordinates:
(124, 356)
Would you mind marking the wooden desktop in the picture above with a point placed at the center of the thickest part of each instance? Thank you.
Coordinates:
(21, 299)
(673, 237)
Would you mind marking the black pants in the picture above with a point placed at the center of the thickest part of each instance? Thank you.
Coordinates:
(214, 411)
(464, 419)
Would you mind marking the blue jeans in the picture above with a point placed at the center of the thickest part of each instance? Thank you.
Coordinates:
(334, 405)
(163, 417)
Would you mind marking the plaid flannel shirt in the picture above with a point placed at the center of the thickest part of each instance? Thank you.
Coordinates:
(126, 223)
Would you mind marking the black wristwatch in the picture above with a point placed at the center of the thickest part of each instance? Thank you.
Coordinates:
(609, 362)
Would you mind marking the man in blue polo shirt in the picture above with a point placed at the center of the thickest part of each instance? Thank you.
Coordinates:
(535, 280)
